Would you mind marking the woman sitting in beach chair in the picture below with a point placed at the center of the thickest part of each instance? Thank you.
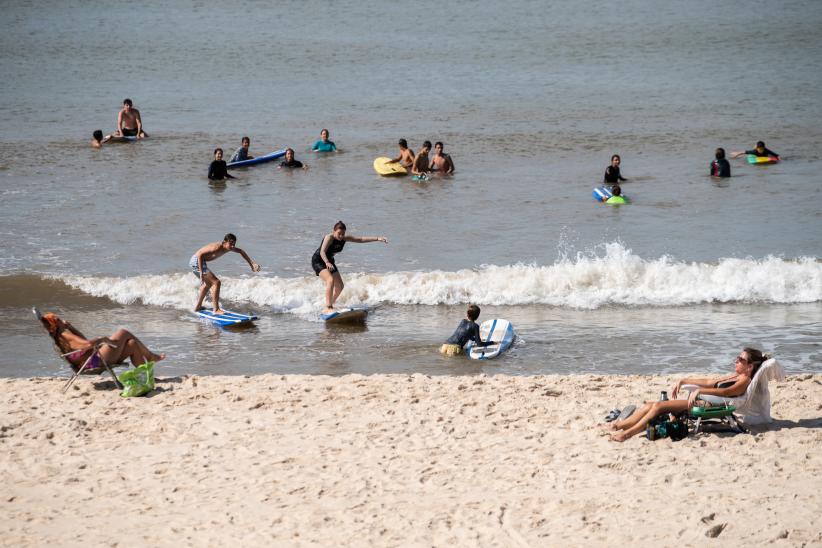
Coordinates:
(729, 386)
(92, 355)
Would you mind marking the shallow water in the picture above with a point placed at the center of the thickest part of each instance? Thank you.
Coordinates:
(530, 105)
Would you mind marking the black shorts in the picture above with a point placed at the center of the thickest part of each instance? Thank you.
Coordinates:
(129, 132)
(318, 265)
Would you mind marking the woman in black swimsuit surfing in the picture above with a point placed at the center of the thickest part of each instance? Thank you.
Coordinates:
(323, 261)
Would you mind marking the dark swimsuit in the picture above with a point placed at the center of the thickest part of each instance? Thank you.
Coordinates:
(129, 132)
(612, 175)
(466, 331)
(333, 248)
(217, 170)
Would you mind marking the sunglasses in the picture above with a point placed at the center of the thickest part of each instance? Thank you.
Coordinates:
(741, 359)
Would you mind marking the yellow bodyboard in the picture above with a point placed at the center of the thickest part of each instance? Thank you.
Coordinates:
(382, 167)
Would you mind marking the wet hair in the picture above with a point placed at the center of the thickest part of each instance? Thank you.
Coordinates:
(720, 153)
(244, 139)
(291, 150)
(473, 312)
(128, 102)
(98, 134)
(403, 143)
(616, 190)
(339, 224)
(426, 144)
(755, 358)
(325, 130)
(616, 156)
(218, 149)
(439, 144)
(230, 238)
(760, 144)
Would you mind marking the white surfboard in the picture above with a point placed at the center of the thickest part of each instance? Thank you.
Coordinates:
(498, 330)
(227, 318)
(356, 314)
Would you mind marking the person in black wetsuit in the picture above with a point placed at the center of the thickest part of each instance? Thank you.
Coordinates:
(612, 174)
(720, 167)
(467, 330)
(761, 151)
(290, 162)
(323, 261)
(217, 170)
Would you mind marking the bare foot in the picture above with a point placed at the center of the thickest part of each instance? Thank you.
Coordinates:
(329, 310)
(158, 357)
(607, 426)
(619, 436)
(219, 311)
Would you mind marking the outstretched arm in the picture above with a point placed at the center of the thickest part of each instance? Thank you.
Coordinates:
(365, 239)
(254, 266)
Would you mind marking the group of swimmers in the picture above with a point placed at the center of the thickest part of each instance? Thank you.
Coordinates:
(419, 164)
(129, 125)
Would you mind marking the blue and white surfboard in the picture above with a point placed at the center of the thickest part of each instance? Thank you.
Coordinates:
(227, 319)
(258, 160)
(501, 332)
(602, 193)
(356, 314)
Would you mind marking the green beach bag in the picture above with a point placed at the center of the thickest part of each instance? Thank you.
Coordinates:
(138, 381)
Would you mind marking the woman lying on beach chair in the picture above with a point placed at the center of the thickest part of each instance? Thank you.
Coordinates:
(94, 355)
(730, 386)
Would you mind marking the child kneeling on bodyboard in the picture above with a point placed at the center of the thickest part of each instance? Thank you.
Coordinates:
(467, 330)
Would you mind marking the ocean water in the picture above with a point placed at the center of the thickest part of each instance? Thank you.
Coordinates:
(530, 99)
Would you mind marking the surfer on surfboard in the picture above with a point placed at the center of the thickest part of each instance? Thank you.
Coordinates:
(323, 261)
(208, 280)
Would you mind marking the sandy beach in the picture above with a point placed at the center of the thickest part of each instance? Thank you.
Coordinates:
(394, 460)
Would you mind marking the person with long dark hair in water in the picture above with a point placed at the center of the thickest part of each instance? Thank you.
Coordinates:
(323, 261)
(729, 386)
(612, 174)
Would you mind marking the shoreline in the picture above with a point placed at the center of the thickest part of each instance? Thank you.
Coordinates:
(394, 460)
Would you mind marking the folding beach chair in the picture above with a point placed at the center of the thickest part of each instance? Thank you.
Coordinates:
(752, 407)
(95, 364)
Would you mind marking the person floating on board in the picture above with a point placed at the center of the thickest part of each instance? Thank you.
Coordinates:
(406, 157)
(290, 162)
(441, 162)
(616, 196)
(612, 174)
(199, 267)
(218, 171)
(467, 330)
(241, 153)
(761, 151)
(323, 261)
(421, 167)
(129, 122)
(720, 167)
(324, 145)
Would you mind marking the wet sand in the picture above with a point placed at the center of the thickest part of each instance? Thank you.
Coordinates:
(394, 460)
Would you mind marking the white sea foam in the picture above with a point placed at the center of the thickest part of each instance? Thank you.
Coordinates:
(586, 281)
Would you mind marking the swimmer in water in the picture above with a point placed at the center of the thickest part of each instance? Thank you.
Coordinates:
(218, 171)
(406, 157)
(612, 174)
(761, 151)
(720, 167)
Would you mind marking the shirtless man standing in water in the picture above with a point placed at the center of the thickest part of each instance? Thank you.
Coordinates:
(129, 123)
(420, 166)
(441, 162)
(406, 157)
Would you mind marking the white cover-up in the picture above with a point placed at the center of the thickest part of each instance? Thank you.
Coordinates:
(754, 406)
